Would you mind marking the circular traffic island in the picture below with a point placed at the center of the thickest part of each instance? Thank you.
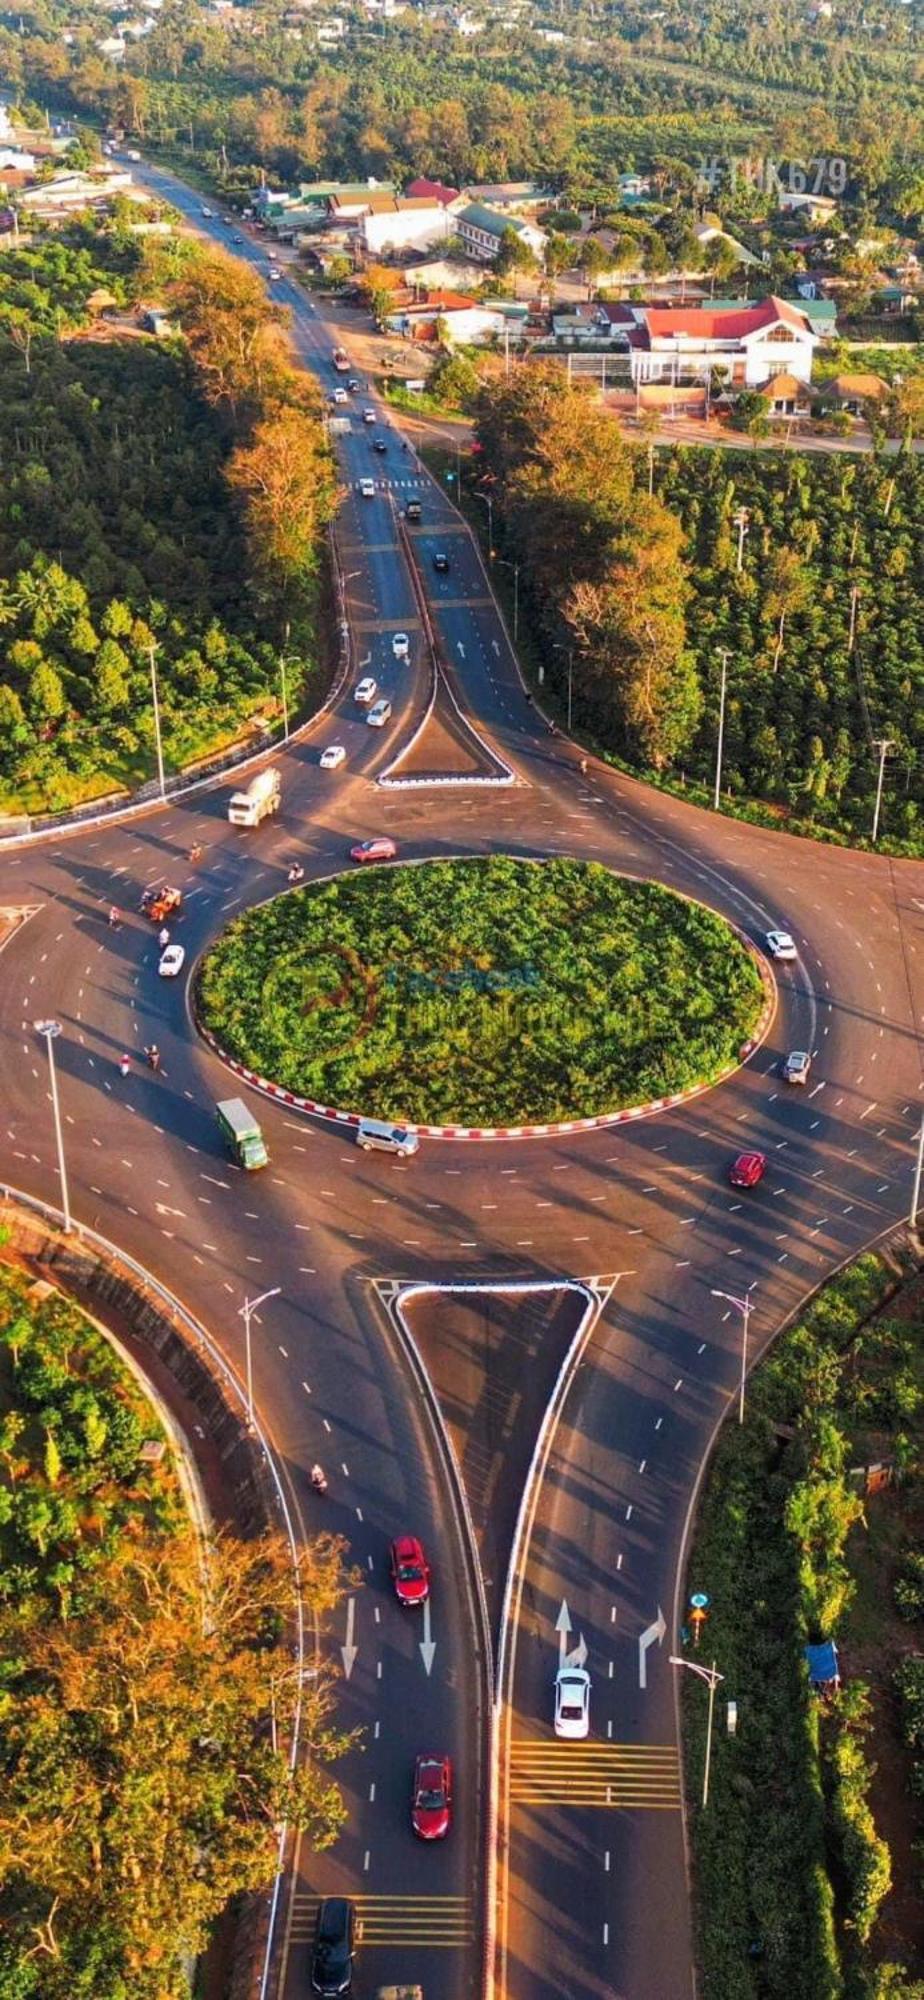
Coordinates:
(481, 992)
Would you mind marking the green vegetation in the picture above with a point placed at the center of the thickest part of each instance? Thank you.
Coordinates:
(481, 992)
(160, 501)
(629, 565)
(140, 1787)
(790, 1869)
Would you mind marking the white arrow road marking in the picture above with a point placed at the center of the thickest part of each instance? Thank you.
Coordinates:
(460, 649)
(496, 646)
(427, 1645)
(646, 1639)
(578, 1656)
(349, 1651)
(563, 1627)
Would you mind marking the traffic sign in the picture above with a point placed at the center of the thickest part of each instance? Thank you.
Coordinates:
(699, 1601)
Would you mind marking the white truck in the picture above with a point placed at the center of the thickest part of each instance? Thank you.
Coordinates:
(261, 798)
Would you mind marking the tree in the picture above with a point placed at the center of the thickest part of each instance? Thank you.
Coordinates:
(514, 254)
(286, 475)
(787, 591)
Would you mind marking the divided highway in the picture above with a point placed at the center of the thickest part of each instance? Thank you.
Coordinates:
(591, 1879)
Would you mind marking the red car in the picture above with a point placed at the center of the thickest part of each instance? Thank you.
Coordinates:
(410, 1570)
(747, 1170)
(380, 849)
(431, 1811)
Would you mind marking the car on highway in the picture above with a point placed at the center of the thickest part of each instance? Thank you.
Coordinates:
(781, 945)
(365, 690)
(334, 1947)
(237, 239)
(797, 1066)
(353, 385)
(367, 489)
(572, 1702)
(440, 563)
(275, 276)
(412, 510)
(208, 213)
(340, 396)
(747, 1170)
(410, 1570)
(431, 1804)
(379, 714)
(376, 1135)
(400, 645)
(333, 757)
(368, 416)
(172, 961)
(378, 444)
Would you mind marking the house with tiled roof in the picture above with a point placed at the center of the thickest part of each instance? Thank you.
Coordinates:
(461, 321)
(423, 189)
(750, 345)
(398, 222)
(482, 231)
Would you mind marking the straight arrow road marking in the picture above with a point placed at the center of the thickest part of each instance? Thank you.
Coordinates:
(646, 1639)
(563, 1627)
(427, 1644)
(349, 1652)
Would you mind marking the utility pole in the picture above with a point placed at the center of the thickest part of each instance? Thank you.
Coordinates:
(741, 520)
(285, 698)
(724, 655)
(712, 1677)
(50, 1030)
(854, 596)
(883, 744)
(152, 650)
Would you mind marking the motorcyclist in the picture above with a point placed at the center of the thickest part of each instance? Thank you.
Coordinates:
(113, 918)
(296, 872)
(125, 1065)
(153, 1056)
(319, 1478)
(163, 938)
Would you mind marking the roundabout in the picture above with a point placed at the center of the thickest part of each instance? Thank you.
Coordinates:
(491, 992)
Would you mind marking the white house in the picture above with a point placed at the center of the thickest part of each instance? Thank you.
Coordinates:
(394, 222)
(13, 156)
(6, 127)
(482, 231)
(752, 344)
(462, 321)
(814, 207)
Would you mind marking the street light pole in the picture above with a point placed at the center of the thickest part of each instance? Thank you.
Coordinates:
(883, 745)
(516, 594)
(916, 1196)
(741, 520)
(724, 655)
(285, 697)
(712, 1677)
(160, 748)
(489, 503)
(50, 1029)
(745, 1307)
(570, 652)
(250, 1306)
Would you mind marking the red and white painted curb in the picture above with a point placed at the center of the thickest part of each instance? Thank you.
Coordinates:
(602, 1123)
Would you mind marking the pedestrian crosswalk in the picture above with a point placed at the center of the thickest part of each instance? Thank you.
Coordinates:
(390, 485)
(402, 1920)
(624, 1776)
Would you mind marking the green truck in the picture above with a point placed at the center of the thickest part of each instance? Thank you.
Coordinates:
(241, 1133)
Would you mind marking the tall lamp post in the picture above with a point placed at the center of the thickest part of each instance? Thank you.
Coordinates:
(883, 746)
(516, 593)
(51, 1029)
(745, 1307)
(285, 695)
(717, 797)
(250, 1306)
(919, 1167)
(152, 650)
(712, 1677)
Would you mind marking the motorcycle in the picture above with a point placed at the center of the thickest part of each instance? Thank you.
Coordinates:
(318, 1479)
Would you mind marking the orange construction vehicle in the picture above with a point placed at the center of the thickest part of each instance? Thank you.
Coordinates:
(156, 904)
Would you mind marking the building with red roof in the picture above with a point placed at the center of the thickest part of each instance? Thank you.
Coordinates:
(749, 345)
(433, 191)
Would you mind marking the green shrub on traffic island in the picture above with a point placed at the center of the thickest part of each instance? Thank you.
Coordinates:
(482, 992)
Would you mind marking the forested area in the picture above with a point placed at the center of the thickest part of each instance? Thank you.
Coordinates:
(162, 502)
(622, 90)
(823, 622)
(141, 1787)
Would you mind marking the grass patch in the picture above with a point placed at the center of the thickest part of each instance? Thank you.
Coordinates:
(493, 991)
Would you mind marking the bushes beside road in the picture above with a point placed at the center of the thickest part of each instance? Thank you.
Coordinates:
(790, 1868)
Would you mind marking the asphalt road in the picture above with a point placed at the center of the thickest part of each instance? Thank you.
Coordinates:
(592, 1883)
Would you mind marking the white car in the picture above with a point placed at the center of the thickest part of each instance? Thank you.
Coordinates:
(379, 715)
(572, 1702)
(797, 1067)
(367, 488)
(333, 757)
(366, 690)
(275, 276)
(368, 416)
(172, 961)
(781, 945)
(208, 213)
(340, 396)
(399, 645)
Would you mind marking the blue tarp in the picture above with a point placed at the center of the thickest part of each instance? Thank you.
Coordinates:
(822, 1663)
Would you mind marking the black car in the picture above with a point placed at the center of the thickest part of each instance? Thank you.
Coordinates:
(378, 444)
(332, 1957)
(412, 510)
(441, 564)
